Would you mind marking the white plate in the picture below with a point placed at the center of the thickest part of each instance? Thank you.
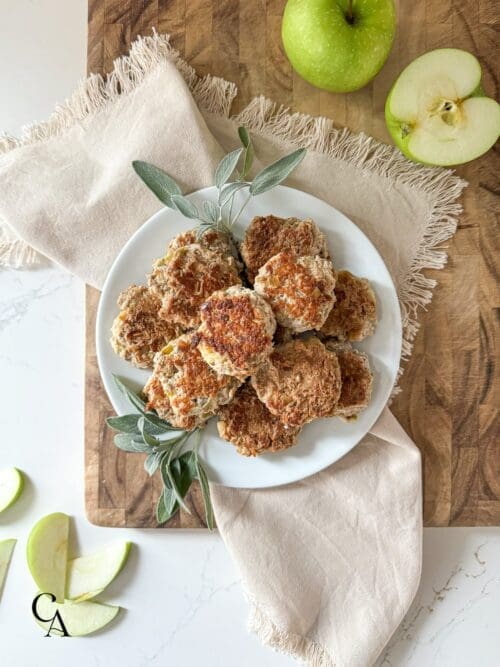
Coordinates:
(324, 441)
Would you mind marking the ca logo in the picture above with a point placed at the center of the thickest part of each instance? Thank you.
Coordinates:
(56, 622)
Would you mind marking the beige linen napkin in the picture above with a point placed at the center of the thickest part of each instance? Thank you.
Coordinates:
(329, 564)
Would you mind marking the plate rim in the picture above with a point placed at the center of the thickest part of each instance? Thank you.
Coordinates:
(399, 337)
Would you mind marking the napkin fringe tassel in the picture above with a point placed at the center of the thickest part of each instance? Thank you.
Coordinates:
(93, 94)
(441, 186)
(298, 647)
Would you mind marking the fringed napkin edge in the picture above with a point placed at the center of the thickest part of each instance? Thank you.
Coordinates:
(442, 187)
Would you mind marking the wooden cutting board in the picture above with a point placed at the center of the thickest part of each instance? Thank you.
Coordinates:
(451, 385)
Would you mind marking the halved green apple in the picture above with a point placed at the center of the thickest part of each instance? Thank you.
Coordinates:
(89, 575)
(79, 618)
(47, 553)
(11, 487)
(6, 549)
(437, 113)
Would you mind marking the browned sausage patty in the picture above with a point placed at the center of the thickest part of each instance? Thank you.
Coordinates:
(253, 430)
(211, 240)
(236, 332)
(354, 314)
(357, 379)
(300, 381)
(183, 388)
(299, 289)
(138, 331)
(268, 235)
(187, 278)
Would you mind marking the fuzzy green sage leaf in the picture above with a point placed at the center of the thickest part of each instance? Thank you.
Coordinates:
(184, 206)
(124, 424)
(226, 167)
(276, 172)
(128, 443)
(244, 136)
(157, 181)
(152, 462)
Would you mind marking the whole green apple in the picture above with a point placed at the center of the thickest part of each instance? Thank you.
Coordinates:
(436, 111)
(338, 45)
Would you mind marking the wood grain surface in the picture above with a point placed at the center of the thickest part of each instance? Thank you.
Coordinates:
(451, 387)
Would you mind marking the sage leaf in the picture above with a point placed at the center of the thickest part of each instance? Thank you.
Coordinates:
(148, 439)
(124, 424)
(276, 172)
(165, 509)
(172, 444)
(183, 473)
(170, 501)
(229, 190)
(211, 210)
(249, 151)
(157, 181)
(127, 443)
(170, 481)
(134, 398)
(184, 206)
(244, 136)
(205, 492)
(226, 167)
(189, 459)
(158, 426)
(151, 463)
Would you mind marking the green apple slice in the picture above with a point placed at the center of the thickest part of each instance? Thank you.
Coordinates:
(11, 486)
(48, 553)
(6, 549)
(79, 618)
(436, 111)
(89, 575)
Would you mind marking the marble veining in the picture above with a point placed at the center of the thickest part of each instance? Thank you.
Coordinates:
(181, 596)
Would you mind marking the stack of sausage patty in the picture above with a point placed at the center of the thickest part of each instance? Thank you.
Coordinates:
(263, 343)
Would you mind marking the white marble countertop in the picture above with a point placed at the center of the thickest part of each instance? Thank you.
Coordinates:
(180, 593)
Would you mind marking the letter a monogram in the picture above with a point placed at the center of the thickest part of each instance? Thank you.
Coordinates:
(56, 622)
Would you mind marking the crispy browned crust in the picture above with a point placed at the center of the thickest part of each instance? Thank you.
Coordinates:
(251, 428)
(238, 325)
(354, 315)
(211, 240)
(184, 387)
(299, 289)
(357, 379)
(300, 382)
(138, 331)
(268, 235)
(188, 278)
(157, 400)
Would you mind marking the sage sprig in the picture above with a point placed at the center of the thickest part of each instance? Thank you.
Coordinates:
(220, 215)
(166, 448)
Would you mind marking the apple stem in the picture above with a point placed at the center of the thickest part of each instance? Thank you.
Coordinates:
(349, 15)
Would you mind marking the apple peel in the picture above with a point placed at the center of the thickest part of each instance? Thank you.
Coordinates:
(11, 487)
(6, 551)
(47, 553)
